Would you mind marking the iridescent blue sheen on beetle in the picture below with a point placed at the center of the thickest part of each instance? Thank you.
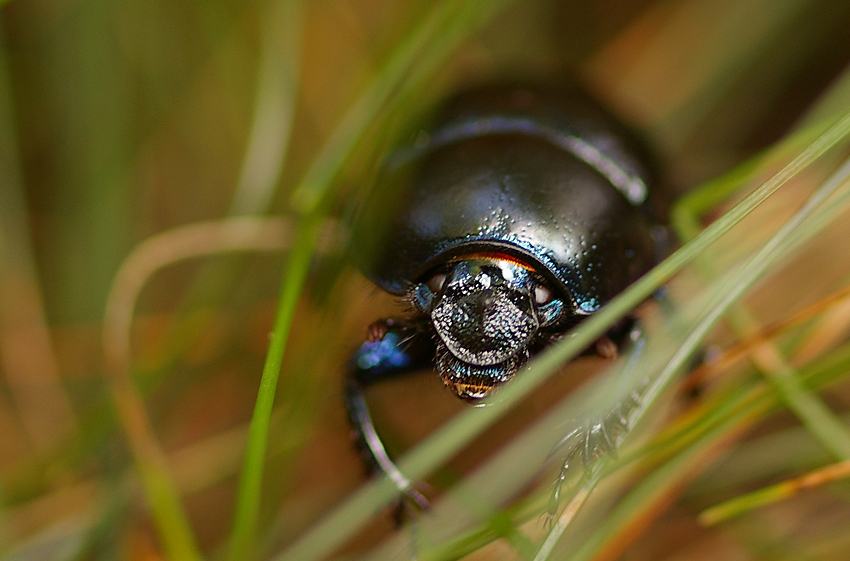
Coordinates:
(522, 211)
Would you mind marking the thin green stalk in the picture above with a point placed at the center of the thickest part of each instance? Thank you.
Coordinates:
(812, 412)
(774, 493)
(687, 210)
(439, 32)
(250, 484)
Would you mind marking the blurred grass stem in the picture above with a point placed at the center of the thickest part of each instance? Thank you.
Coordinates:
(27, 359)
(274, 107)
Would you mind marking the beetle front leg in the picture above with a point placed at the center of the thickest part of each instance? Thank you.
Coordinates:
(400, 349)
(372, 447)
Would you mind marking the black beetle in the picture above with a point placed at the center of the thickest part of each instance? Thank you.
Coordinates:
(524, 210)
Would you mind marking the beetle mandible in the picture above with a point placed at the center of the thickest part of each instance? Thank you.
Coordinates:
(522, 211)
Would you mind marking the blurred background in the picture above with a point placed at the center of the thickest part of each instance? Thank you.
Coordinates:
(120, 123)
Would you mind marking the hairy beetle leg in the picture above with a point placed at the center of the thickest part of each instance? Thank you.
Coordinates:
(378, 329)
(601, 436)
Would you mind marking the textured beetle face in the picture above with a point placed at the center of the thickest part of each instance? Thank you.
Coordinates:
(486, 312)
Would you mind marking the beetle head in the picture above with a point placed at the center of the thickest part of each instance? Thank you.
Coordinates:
(486, 312)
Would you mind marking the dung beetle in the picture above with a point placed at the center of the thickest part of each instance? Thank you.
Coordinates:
(523, 211)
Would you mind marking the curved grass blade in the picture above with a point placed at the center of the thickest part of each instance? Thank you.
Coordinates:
(236, 234)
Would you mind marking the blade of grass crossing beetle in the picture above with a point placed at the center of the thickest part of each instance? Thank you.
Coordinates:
(354, 512)
(680, 360)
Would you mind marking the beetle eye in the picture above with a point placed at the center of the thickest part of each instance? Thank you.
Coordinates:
(435, 284)
(542, 295)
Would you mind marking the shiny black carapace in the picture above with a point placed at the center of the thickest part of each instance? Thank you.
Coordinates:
(522, 211)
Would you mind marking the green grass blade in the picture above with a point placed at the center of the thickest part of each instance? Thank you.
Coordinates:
(250, 483)
(447, 24)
